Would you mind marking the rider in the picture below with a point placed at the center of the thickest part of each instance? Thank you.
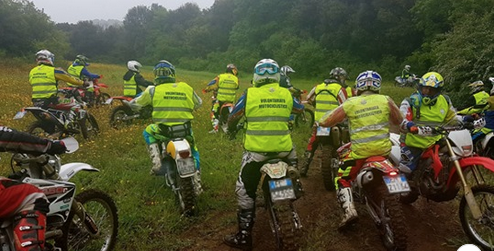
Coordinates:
(405, 73)
(173, 103)
(224, 87)
(285, 78)
(23, 202)
(477, 100)
(267, 108)
(44, 80)
(425, 107)
(369, 117)
(325, 97)
(133, 79)
(78, 69)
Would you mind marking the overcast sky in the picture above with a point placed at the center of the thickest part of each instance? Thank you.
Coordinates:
(72, 11)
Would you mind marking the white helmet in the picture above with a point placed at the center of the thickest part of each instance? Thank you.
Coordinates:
(45, 57)
(407, 67)
(266, 71)
(284, 70)
(134, 66)
(368, 80)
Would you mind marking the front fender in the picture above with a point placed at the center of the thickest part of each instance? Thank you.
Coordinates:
(67, 171)
(470, 161)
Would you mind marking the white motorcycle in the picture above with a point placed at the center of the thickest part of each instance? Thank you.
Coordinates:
(87, 221)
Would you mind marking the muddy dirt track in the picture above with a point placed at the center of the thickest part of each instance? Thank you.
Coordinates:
(431, 225)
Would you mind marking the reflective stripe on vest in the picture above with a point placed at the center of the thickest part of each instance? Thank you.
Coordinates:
(267, 111)
(429, 116)
(173, 103)
(130, 87)
(75, 71)
(43, 81)
(368, 117)
(326, 99)
(227, 87)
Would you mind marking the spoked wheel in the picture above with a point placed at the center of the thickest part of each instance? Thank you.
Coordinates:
(391, 221)
(329, 168)
(103, 212)
(305, 119)
(89, 127)
(185, 195)
(286, 225)
(119, 117)
(480, 231)
(101, 99)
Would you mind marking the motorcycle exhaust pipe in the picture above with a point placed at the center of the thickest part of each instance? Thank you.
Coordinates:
(293, 172)
(365, 178)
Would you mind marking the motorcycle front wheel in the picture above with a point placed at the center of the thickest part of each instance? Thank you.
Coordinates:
(101, 208)
(89, 127)
(480, 231)
(118, 117)
(305, 119)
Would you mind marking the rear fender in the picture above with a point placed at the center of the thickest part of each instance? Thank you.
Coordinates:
(102, 85)
(68, 171)
(275, 170)
(468, 162)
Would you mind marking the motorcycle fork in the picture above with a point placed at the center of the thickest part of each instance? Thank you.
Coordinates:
(472, 204)
(88, 221)
(479, 178)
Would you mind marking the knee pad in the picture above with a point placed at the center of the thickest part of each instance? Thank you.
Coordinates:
(29, 230)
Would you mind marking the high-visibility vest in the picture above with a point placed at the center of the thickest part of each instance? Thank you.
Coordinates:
(228, 85)
(326, 99)
(267, 111)
(173, 103)
(75, 71)
(42, 79)
(130, 87)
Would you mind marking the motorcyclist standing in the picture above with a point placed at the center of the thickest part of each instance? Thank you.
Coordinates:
(477, 100)
(406, 74)
(23, 202)
(225, 87)
(173, 103)
(79, 70)
(369, 117)
(133, 79)
(267, 108)
(44, 80)
(325, 97)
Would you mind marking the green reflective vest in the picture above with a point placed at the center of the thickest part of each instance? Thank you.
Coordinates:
(326, 99)
(173, 103)
(75, 71)
(130, 87)
(267, 111)
(42, 79)
(429, 116)
(349, 92)
(227, 86)
(368, 119)
(480, 100)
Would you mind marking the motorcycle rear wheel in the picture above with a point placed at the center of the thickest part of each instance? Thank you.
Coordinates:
(286, 226)
(42, 129)
(118, 115)
(103, 211)
(185, 195)
(481, 231)
(328, 170)
(306, 119)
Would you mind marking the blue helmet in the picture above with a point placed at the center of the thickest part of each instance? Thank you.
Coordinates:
(368, 80)
(164, 71)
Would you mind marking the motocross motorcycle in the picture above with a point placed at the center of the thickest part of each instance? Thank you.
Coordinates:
(225, 110)
(93, 99)
(86, 221)
(178, 166)
(306, 118)
(123, 115)
(67, 118)
(379, 185)
(445, 167)
(410, 82)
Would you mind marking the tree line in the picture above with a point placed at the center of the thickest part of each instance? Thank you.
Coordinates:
(452, 37)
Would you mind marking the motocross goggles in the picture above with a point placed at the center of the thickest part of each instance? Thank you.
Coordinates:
(269, 68)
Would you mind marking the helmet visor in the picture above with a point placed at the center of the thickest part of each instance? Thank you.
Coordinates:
(266, 68)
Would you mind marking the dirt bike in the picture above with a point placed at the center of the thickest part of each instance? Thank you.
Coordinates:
(93, 99)
(329, 140)
(86, 221)
(124, 115)
(178, 166)
(306, 118)
(379, 185)
(65, 119)
(409, 82)
(446, 166)
(225, 110)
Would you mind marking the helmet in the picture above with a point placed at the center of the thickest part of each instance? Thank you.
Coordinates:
(231, 68)
(434, 80)
(164, 71)
(284, 70)
(368, 80)
(476, 86)
(266, 71)
(407, 67)
(339, 73)
(45, 57)
(134, 66)
(82, 60)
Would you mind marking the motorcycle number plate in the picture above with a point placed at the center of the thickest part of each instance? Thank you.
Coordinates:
(108, 101)
(397, 183)
(20, 115)
(281, 189)
(323, 131)
(186, 166)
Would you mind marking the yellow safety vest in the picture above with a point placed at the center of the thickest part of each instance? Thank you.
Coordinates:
(326, 99)
(267, 111)
(227, 87)
(173, 103)
(429, 116)
(75, 71)
(42, 79)
(368, 119)
(130, 87)
(349, 92)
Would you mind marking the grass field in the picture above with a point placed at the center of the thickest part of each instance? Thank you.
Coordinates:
(149, 217)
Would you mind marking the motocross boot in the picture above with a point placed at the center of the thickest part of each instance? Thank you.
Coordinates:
(197, 183)
(154, 153)
(307, 159)
(216, 125)
(29, 231)
(345, 198)
(243, 238)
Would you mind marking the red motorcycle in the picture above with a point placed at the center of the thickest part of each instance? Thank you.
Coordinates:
(92, 98)
(124, 115)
